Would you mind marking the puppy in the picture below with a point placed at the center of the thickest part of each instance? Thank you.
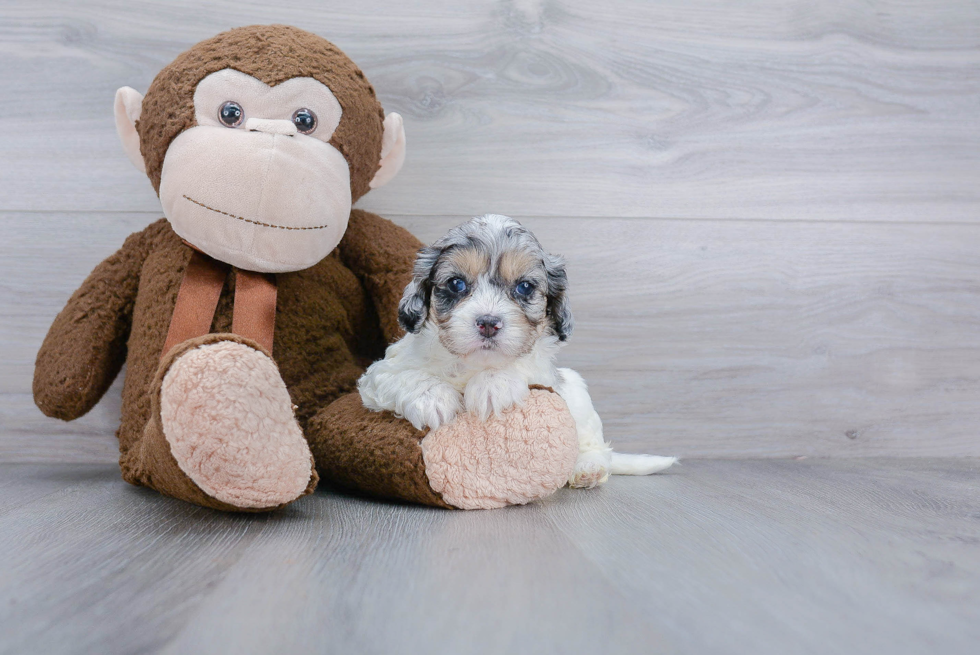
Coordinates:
(485, 315)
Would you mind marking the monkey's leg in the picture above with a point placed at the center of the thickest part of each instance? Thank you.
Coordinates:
(526, 454)
(222, 432)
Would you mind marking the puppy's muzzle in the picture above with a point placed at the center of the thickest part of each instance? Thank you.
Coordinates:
(489, 325)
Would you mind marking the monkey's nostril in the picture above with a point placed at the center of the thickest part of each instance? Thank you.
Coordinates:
(489, 325)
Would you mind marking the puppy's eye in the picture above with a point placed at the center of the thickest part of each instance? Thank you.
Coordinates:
(231, 114)
(457, 285)
(305, 120)
(524, 289)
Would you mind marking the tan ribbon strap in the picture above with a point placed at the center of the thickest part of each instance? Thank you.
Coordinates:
(196, 300)
(254, 316)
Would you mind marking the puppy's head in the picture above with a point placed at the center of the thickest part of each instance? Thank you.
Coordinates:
(488, 287)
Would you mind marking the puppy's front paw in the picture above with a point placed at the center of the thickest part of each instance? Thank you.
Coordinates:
(493, 392)
(433, 406)
(591, 469)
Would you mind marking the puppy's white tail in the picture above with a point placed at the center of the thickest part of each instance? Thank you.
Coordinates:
(626, 464)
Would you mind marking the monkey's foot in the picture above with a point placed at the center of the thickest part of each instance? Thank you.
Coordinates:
(525, 454)
(229, 422)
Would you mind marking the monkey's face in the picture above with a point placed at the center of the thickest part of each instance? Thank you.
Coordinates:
(257, 183)
(258, 140)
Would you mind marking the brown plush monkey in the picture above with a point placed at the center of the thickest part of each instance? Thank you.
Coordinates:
(258, 141)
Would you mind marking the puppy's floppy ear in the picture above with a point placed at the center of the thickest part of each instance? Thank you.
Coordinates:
(414, 304)
(559, 313)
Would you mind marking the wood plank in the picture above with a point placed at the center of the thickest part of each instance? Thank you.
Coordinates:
(698, 338)
(852, 110)
(773, 339)
(818, 556)
(22, 484)
(860, 556)
(85, 565)
(387, 578)
(334, 566)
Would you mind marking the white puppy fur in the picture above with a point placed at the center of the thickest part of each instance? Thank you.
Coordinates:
(485, 316)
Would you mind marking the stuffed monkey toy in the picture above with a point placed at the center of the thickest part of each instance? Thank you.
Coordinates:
(246, 316)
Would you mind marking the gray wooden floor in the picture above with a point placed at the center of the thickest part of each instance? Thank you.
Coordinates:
(764, 557)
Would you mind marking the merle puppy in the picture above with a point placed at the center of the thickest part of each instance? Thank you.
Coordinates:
(485, 316)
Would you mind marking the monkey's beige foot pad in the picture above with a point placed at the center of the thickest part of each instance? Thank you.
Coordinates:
(526, 454)
(229, 422)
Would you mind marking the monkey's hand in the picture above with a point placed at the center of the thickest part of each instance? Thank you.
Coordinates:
(86, 345)
(381, 254)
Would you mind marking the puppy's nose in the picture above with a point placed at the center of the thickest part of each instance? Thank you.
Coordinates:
(489, 325)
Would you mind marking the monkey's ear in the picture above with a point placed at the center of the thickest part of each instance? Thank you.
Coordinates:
(128, 106)
(392, 150)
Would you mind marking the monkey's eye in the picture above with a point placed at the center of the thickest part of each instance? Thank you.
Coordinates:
(524, 289)
(231, 114)
(305, 120)
(456, 285)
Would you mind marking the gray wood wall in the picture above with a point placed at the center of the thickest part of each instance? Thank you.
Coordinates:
(771, 210)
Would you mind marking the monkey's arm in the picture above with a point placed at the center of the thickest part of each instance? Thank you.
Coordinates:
(381, 254)
(86, 345)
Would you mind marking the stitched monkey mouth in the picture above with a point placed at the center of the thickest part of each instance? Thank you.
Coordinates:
(247, 220)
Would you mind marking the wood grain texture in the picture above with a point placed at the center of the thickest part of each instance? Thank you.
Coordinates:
(767, 557)
(730, 338)
(844, 326)
(782, 110)
(697, 338)
(820, 296)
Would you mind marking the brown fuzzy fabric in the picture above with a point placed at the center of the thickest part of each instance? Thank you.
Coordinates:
(332, 320)
(272, 54)
(74, 372)
(380, 455)
(371, 452)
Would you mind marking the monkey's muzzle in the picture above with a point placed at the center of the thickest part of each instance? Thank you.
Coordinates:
(264, 202)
